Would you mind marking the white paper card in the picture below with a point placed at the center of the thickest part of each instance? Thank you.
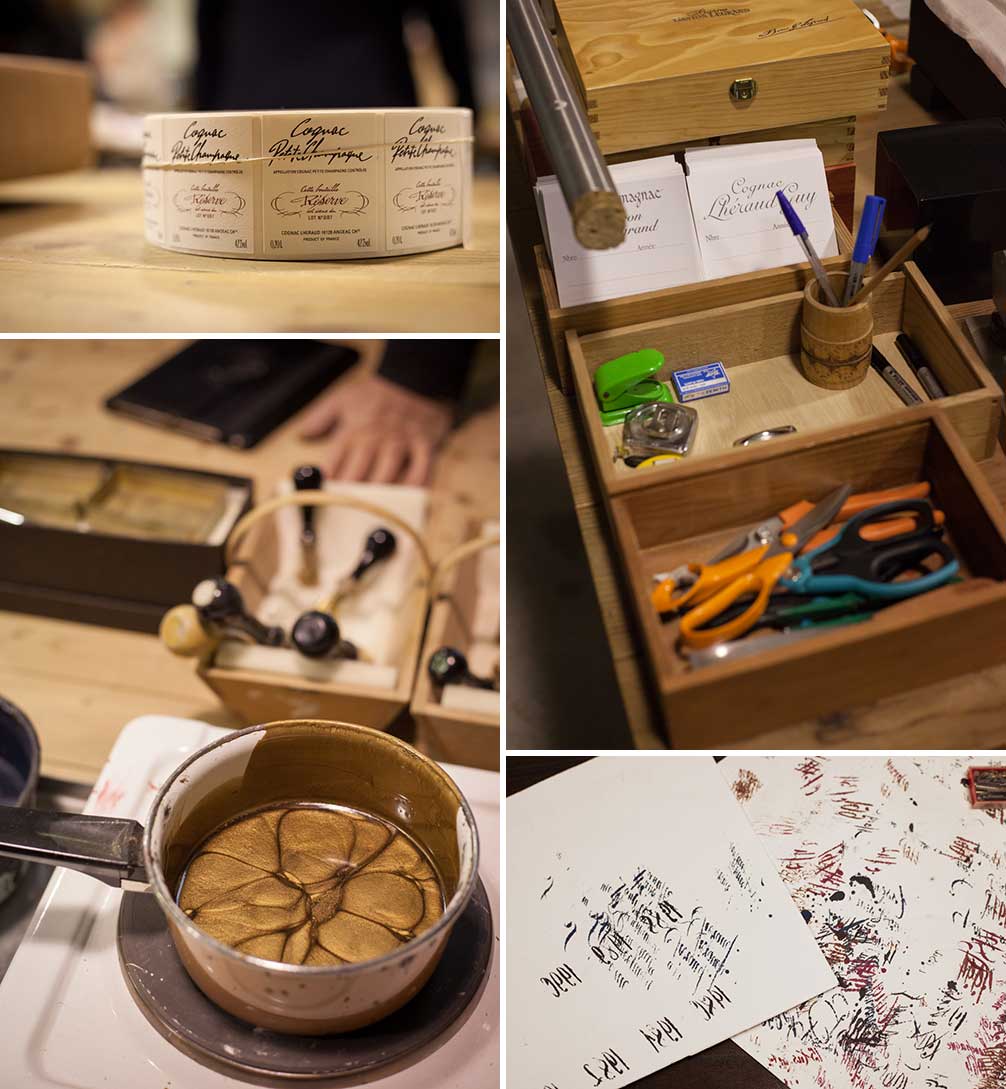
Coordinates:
(905, 888)
(738, 220)
(660, 248)
(645, 924)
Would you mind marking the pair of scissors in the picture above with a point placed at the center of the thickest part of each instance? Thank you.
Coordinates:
(674, 590)
(756, 570)
(852, 563)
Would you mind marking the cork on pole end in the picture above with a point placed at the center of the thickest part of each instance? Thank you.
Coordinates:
(599, 220)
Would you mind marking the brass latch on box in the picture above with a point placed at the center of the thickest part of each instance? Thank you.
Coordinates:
(743, 90)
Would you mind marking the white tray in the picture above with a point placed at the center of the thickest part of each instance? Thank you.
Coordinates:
(67, 1020)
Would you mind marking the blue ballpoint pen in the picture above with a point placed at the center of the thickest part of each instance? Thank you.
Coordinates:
(866, 241)
(800, 231)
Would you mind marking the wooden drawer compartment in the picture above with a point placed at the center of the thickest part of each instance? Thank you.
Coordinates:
(759, 344)
(462, 724)
(649, 306)
(951, 631)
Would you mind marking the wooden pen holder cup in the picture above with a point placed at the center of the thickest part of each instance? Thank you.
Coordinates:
(835, 341)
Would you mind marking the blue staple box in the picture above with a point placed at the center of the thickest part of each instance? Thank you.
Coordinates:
(695, 383)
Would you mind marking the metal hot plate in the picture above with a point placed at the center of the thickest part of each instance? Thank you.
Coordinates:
(189, 1020)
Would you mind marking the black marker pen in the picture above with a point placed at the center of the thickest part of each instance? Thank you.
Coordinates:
(893, 379)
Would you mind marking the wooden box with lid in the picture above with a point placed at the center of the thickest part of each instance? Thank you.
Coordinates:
(656, 72)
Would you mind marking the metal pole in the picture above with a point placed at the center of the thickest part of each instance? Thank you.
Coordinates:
(597, 211)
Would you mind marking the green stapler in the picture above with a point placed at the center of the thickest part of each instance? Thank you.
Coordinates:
(625, 382)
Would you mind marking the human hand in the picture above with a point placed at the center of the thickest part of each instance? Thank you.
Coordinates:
(380, 431)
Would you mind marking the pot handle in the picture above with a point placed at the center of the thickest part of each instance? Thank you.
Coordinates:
(103, 847)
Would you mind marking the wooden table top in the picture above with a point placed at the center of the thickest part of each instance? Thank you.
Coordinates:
(74, 260)
(80, 683)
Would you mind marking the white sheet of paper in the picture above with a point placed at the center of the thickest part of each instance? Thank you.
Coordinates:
(739, 223)
(905, 886)
(645, 923)
(660, 248)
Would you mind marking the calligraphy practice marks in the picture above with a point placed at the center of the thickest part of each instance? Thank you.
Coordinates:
(904, 888)
(645, 923)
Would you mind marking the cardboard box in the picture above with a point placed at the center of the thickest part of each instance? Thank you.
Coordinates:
(47, 116)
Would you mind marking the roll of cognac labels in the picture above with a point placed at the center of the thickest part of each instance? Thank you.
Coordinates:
(308, 185)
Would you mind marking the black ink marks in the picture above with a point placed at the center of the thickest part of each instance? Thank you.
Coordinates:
(807, 915)
(837, 896)
(711, 1002)
(867, 884)
(307, 142)
(976, 969)
(606, 1067)
(209, 200)
(745, 785)
(660, 1034)
(561, 980)
(193, 146)
(321, 200)
(571, 927)
(804, 24)
(710, 13)
(420, 143)
(548, 888)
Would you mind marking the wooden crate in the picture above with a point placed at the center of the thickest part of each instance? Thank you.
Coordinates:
(759, 344)
(450, 733)
(655, 72)
(614, 314)
(258, 696)
(947, 632)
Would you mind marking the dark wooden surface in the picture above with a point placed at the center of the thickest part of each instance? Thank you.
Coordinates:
(724, 1066)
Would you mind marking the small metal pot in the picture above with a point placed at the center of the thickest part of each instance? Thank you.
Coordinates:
(282, 762)
(19, 760)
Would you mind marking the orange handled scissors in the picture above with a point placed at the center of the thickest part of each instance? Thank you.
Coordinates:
(682, 587)
(754, 571)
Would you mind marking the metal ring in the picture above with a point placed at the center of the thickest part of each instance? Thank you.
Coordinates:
(764, 436)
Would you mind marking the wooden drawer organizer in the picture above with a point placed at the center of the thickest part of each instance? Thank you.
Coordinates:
(650, 306)
(759, 342)
(685, 517)
(464, 614)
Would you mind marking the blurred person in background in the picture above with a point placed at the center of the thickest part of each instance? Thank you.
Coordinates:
(311, 54)
(389, 427)
(41, 28)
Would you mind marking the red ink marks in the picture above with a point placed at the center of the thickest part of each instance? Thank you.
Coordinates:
(852, 810)
(962, 850)
(976, 967)
(814, 874)
(745, 786)
(108, 797)
(885, 857)
(811, 773)
(785, 827)
(995, 909)
(897, 777)
(152, 786)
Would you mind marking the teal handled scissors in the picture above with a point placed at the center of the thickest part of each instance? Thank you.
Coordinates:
(756, 570)
(849, 563)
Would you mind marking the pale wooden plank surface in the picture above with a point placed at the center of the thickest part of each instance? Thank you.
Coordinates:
(74, 260)
(79, 683)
